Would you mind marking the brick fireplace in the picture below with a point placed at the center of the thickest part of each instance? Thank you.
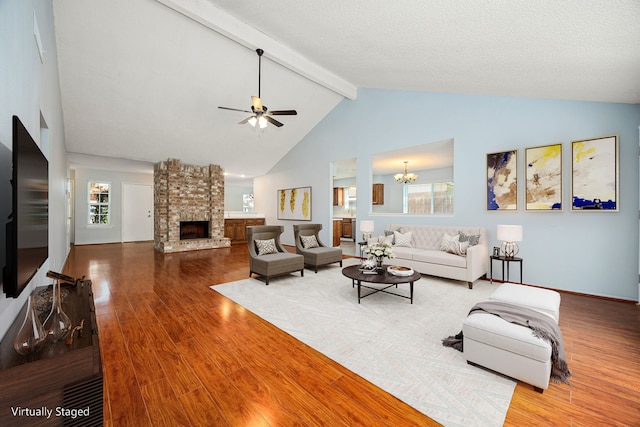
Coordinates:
(189, 207)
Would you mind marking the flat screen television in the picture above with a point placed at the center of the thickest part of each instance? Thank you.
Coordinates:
(27, 232)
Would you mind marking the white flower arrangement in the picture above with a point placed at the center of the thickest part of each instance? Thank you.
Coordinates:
(380, 251)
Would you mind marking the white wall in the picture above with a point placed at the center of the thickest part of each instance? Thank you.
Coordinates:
(29, 87)
(589, 252)
(233, 196)
(84, 234)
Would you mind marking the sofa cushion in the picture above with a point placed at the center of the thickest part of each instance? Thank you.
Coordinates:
(403, 252)
(278, 263)
(438, 257)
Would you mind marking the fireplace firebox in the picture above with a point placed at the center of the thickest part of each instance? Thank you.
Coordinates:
(194, 230)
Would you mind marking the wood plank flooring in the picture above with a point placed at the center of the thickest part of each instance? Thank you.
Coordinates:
(177, 354)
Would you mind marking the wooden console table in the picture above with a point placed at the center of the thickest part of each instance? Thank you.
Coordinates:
(65, 379)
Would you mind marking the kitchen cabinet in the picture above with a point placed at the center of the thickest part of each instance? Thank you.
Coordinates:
(236, 228)
(347, 228)
(337, 232)
(377, 194)
(338, 196)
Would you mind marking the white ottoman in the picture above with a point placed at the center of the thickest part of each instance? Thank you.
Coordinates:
(507, 348)
(543, 300)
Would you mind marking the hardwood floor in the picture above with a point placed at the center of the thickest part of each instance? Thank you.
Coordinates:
(176, 353)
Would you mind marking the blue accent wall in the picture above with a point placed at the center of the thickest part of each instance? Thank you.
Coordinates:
(587, 252)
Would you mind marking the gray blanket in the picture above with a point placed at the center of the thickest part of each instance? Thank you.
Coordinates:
(542, 326)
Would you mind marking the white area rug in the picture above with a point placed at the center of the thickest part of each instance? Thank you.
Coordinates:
(386, 339)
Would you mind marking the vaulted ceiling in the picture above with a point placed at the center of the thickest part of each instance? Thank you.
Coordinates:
(143, 79)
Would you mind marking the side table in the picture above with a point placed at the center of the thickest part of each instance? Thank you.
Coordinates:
(503, 259)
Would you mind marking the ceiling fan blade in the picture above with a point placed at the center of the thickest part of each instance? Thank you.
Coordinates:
(257, 103)
(245, 120)
(284, 112)
(273, 121)
(235, 109)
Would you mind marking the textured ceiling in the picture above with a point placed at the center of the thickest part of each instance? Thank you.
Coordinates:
(142, 79)
(580, 50)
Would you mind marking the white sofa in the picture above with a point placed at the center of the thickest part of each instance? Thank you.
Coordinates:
(425, 255)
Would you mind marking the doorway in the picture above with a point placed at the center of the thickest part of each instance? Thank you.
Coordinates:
(137, 212)
(344, 195)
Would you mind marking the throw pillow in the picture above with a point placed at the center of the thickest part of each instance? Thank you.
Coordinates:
(388, 234)
(447, 241)
(473, 239)
(265, 247)
(381, 239)
(452, 245)
(309, 242)
(458, 248)
(402, 239)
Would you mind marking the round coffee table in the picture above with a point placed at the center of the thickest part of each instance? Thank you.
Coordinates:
(357, 277)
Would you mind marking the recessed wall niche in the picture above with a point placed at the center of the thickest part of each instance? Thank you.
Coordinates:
(432, 162)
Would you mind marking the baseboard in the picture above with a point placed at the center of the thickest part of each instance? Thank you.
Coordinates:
(563, 291)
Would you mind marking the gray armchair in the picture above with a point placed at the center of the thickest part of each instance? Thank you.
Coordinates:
(315, 257)
(268, 258)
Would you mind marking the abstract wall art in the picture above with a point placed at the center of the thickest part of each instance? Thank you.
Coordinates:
(502, 181)
(543, 167)
(594, 174)
(295, 204)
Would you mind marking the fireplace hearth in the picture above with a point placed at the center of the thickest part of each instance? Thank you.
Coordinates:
(194, 230)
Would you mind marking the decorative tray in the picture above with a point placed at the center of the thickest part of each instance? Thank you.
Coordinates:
(397, 270)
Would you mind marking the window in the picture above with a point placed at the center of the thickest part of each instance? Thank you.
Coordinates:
(434, 198)
(99, 203)
(247, 202)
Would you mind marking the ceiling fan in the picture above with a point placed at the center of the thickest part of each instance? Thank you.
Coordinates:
(261, 114)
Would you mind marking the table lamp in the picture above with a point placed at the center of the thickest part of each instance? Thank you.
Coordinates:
(367, 228)
(509, 234)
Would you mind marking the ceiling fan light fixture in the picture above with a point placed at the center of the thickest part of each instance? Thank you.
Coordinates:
(405, 178)
(262, 115)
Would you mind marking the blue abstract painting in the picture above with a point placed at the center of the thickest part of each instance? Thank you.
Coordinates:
(594, 179)
(502, 181)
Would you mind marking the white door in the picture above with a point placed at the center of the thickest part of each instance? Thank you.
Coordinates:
(137, 212)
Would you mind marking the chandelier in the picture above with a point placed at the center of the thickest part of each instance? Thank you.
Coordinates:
(405, 178)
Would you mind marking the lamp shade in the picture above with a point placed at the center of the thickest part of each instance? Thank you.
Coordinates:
(510, 233)
(366, 226)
